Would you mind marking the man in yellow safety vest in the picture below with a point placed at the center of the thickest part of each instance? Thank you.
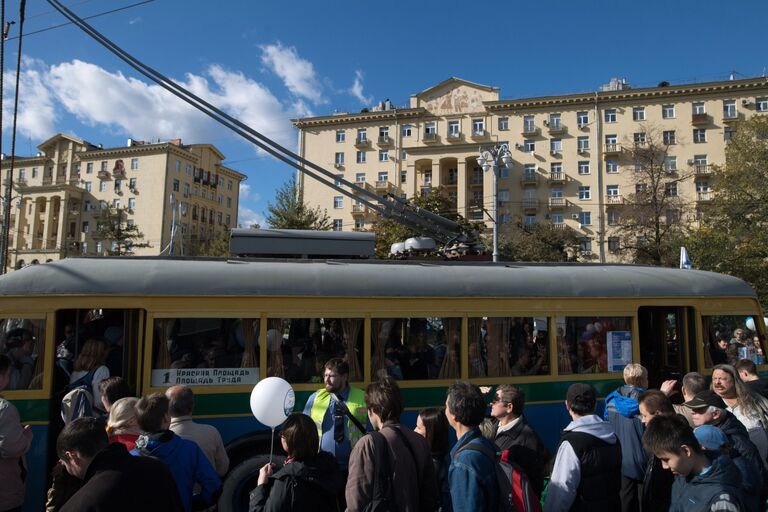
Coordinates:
(328, 409)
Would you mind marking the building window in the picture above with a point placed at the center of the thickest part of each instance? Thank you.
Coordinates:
(430, 128)
(362, 136)
(383, 155)
(478, 126)
(699, 135)
(554, 121)
(613, 243)
(188, 169)
(640, 188)
(611, 166)
(584, 193)
(583, 167)
(729, 109)
(360, 177)
(670, 163)
(86, 227)
(585, 218)
(610, 115)
(761, 104)
(612, 217)
(361, 157)
(339, 159)
(383, 132)
(132, 203)
(612, 190)
(404, 155)
(503, 173)
(86, 206)
(556, 145)
(383, 176)
(639, 138)
(582, 118)
(341, 136)
(556, 168)
(638, 113)
(668, 137)
(135, 164)
(407, 130)
(530, 219)
(700, 160)
(583, 143)
(89, 168)
(702, 186)
(229, 185)
(728, 133)
(453, 129)
(610, 140)
(175, 185)
(670, 190)
(359, 224)
(87, 186)
(338, 202)
(503, 124)
(104, 167)
(667, 111)
(34, 171)
(337, 223)
(528, 124)
(102, 186)
(229, 202)
(227, 220)
(99, 247)
(428, 177)
(557, 219)
(403, 176)
(529, 146)
(186, 190)
(115, 203)
(698, 108)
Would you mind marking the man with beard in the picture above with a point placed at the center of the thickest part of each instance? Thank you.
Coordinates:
(329, 408)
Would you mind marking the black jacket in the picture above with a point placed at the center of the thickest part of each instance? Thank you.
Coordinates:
(116, 481)
(738, 438)
(600, 464)
(657, 487)
(312, 483)
(527, 451)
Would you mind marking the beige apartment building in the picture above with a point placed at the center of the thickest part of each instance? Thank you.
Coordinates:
(178, 196)
(571, 160)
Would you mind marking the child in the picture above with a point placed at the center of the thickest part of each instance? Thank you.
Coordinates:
(700, 484)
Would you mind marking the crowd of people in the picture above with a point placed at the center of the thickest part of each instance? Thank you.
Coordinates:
(348, 450)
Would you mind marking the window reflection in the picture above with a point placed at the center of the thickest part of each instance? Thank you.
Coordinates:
(22, 340)
(508, 346)
(729, 338)
(593, 344)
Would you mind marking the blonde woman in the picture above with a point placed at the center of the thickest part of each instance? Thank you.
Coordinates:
(90, 364)
(122, 426)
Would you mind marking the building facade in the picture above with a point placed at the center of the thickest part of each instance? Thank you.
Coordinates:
(178, 196)
(572, 159)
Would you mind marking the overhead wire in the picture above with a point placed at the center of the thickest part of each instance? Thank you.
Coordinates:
(391, 209)
(9, 178)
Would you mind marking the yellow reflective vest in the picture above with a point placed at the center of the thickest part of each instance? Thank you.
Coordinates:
(356, 405)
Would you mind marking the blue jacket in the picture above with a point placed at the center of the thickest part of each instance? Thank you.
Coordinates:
(472, 475)
(623, 413)
(716, 489)
(187, 463)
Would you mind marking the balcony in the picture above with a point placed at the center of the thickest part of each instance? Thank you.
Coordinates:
(362, 142)
(700, 119)
(612, 150)
(119, 174)
(384, 186)
(47, 180)
(61, 179)
(454, 136)
(359, 209)
(556, 203)
(614, 200)
(556, 178)
(104, 175)
(530, 130)
(703, 169)
(557, 128)
(479, 134)
(529, 179)
(430, 137)
(704, 197)
(385, 140)
(362, 185)
(530, 204)
(558, 225)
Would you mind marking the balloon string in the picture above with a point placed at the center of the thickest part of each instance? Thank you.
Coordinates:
(272, 446)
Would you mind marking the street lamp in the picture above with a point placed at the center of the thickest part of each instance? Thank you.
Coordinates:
(494, 159)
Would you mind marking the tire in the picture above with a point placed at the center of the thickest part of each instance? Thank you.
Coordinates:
(241, 481)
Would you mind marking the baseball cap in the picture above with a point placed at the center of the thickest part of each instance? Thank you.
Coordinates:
(705, 399)
(581, 393)
(711, 438)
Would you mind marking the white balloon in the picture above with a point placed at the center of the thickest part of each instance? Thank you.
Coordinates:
(750, 323)
(272, 400)
(598, 327)
(590, 328)
(765, 320)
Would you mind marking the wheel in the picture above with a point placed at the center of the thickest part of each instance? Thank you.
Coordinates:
(241, 481)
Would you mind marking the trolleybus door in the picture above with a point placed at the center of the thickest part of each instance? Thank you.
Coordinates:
(664, 335)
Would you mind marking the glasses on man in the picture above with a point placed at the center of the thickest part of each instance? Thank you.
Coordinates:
(497, 398)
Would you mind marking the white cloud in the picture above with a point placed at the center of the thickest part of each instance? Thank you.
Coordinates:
(247, 194)
(357, 89)
(247, 217)
(37, 113)
(297, 74)
(133, 21)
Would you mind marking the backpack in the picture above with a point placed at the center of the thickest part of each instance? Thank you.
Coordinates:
(515, 492)
(78, 399)
(382, 476)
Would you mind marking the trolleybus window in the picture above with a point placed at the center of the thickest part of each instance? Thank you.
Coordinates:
(297, 348)
(416, 348)
(22, 340)
(508, 346)
(205, 351)
(728, 338)
(593, 344)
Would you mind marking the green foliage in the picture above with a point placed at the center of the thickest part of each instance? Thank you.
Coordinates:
(389, 231)
(290, 212)
(732, 236)
(541, 241)
(216, 248)
(119, 238)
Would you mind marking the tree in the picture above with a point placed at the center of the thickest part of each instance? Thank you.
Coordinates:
(651, 222)
(389, 231)
(731, 237)
(542, 241)
(215, 248)
(119, 235)
(290, 211)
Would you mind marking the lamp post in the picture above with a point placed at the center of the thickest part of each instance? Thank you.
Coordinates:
(494, 159)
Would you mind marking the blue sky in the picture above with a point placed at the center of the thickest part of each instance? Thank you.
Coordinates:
(266, 62)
